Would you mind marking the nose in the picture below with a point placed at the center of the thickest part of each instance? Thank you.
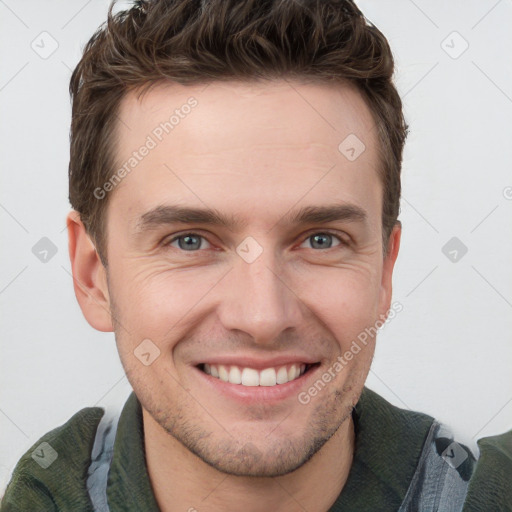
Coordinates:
(258, 300)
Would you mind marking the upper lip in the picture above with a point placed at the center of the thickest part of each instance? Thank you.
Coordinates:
(257, 363)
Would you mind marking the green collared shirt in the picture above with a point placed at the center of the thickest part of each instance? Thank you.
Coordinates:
(389, 446)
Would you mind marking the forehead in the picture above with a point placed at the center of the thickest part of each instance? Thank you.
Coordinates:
(298, 112)
(272, 140)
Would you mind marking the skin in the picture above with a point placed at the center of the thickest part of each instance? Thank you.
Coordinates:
(257, 151)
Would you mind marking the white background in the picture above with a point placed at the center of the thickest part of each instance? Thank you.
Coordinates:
(448, 353)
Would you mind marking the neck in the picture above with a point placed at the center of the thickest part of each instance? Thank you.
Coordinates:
(182, 481)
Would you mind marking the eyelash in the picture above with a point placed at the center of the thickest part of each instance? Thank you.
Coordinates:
(343, 243)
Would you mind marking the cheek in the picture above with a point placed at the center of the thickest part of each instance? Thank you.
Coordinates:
(345, 299)
(152, 300)
(155, 302)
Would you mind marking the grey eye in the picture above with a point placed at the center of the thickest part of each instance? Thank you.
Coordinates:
(322, 240)
(188, 242)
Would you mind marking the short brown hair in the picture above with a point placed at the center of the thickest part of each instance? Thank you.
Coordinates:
(199, 41)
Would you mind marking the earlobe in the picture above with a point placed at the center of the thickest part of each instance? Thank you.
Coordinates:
(89, 276)
(387, 269)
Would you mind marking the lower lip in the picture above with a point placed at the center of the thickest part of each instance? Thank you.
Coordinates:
(266, 394)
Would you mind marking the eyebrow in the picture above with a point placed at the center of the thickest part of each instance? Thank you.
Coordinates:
(172, 214)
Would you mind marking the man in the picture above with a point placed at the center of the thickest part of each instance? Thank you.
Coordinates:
(235, 179)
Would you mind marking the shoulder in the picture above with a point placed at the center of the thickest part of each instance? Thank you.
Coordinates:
(414, 455)
(490, 487)
(381, 420)
(51, 475)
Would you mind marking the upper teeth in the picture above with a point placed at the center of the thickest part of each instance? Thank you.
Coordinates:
(252, 377)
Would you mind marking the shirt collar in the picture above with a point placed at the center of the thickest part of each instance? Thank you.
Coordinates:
(128, 479)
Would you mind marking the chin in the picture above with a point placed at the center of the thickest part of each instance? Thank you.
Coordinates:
(268, 457)
(250, 461)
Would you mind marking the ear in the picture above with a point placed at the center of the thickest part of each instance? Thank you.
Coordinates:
(386, 288)
(89, 276)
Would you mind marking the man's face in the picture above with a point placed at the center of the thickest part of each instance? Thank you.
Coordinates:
(257, 296)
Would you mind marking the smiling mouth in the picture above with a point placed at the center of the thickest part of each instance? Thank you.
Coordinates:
(244, 376)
